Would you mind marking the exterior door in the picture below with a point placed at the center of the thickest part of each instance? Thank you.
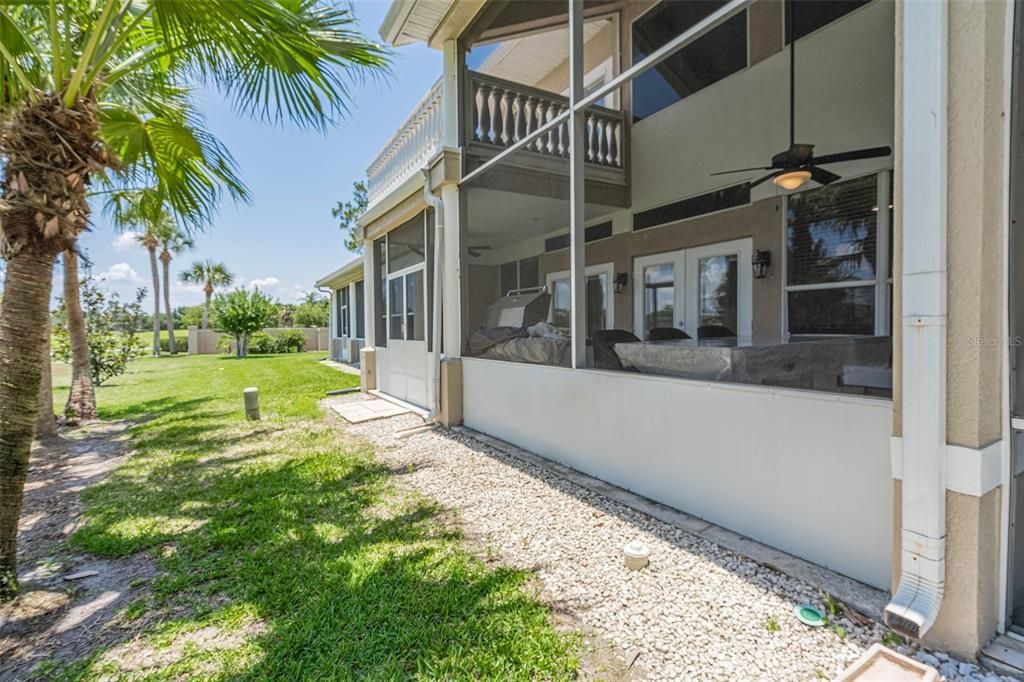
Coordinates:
(706, 286)
(718, 288)
(407, 345)
(659, 292)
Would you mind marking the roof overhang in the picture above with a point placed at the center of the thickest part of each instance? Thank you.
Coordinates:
(351, 271)
(427, 21)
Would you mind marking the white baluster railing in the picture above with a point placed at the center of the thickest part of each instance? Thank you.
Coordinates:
(418, 139)
(503, 112)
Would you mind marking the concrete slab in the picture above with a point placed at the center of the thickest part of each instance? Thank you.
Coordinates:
(882, 664)
(359, 411)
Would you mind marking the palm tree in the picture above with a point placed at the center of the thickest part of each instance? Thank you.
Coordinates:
(151, 241)
(92, 87)
(81, 402)
(173, 242)
(211, 275)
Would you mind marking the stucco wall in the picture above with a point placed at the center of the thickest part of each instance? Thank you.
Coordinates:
(805, 472)
(970, 606)
(975, 305)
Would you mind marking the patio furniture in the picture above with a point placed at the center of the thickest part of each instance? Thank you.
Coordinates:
(604, 341)
(666, 334)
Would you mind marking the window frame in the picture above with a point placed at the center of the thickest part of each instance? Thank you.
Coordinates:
(882, 281)
(606, 269)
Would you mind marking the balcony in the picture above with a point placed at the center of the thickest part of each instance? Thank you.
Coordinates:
(418, 139)
(502, 112)
(496, 114)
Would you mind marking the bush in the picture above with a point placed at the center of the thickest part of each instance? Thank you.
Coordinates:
(224, 345)
(291, 341)
(181, 344)
(262, 343)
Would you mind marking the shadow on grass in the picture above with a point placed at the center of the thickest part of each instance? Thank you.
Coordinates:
(298, 528)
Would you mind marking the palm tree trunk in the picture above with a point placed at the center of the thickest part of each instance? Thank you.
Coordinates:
(206, 307)
(46, 421)
(22, 330)
(165, 258)
(156, 300)
(81, 404)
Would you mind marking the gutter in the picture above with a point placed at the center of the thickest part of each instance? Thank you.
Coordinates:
(435, 346)
(918, 598)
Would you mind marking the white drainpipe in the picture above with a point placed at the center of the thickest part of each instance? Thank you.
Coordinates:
(915, 605)
(435, 349)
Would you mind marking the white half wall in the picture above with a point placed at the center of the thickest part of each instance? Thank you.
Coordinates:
(805, 472)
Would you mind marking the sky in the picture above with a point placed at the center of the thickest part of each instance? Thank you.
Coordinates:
(285, 238)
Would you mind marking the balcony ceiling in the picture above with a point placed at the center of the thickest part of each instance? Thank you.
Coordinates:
(497, 218)
(528, 59)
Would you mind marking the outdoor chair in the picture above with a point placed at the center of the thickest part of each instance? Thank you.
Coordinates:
(666, 334)
(604, 341)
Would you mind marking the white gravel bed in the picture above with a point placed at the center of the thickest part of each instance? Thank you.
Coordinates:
(697, 612)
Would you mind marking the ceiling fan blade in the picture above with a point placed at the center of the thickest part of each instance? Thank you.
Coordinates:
(854, 155)
(742, 170)
(822, 176)
(765, 178)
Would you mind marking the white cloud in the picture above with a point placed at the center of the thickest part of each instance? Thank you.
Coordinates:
(124, 242)
(119, 272)
(265, 284)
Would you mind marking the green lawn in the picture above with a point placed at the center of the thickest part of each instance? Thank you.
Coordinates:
(287, 539)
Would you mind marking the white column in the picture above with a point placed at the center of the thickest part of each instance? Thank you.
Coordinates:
(451, 314)
(577, 127)
(369, 291)
(452, 67)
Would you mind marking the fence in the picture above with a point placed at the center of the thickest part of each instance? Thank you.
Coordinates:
(204, 341)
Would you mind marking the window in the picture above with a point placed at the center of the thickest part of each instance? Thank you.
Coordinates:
(599, 300)
(718, 200)
(519, 274)
(343, 321)
(832, 257)
(720, 52)
(360, 311)
(414, 297)
(810, 15)
(717, 298)
(659, 297)
(508, 278)
(396, 296)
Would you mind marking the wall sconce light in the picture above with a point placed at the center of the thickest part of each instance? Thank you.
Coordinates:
(620, 281)
(760, 263)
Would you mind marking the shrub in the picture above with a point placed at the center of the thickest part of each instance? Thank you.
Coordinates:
(291, 341)
(262, 343)
(181, 344)
(312, 314)
(224, 345)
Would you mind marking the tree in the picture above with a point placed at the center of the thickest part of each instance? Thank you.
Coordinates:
(150, 240)
(312, 314)
(242, 313)
(92, 87)
(111, 331)
(211, 275)
(173, 242)
(81, 402)
(348, 212)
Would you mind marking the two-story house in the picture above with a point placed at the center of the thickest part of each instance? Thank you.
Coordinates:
(749, 258)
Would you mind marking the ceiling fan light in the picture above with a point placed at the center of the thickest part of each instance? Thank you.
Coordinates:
(791, 180)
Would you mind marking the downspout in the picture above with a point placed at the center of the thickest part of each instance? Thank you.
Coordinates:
(435, 338)
(918, 598)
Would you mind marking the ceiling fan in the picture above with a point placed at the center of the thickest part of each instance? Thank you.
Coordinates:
(474, 251)
(792, 167)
